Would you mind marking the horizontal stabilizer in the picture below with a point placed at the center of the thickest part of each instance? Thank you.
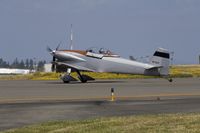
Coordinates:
(154, 67)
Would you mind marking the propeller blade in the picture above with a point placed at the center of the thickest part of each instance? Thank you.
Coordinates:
(58, 45)
(49, 49)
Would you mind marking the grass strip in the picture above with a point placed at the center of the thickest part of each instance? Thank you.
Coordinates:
(161, 123)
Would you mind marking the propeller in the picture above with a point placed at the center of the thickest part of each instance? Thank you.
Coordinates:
(53, 67)
(49, 49)
(58, 45)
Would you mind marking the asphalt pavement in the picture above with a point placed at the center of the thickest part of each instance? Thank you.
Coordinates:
(27, 90)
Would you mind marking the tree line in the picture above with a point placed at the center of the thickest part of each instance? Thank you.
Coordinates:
(23, 64)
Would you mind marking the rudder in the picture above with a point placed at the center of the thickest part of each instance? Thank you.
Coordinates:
(161, 58)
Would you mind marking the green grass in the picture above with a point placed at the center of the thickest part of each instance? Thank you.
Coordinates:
(175, 71)
(185, 71)
(56, 76)
(162, 123)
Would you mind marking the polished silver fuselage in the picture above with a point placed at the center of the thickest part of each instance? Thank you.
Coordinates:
(101, 63)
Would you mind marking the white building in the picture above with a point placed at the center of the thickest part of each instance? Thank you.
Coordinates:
(47, 67)
(14, 71)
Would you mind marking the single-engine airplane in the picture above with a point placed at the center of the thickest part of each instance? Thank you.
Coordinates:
(104, 60)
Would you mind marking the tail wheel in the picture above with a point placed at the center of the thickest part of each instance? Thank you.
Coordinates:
(170, 80)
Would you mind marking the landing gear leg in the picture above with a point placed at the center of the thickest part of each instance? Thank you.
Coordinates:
(82, 79)
(69, 70)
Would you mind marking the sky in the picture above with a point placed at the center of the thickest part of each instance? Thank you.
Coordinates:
(127, 27)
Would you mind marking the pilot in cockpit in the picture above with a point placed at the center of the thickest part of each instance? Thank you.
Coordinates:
(90, 50)
(102, 51)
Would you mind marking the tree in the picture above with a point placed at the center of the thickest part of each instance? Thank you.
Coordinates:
(3, 64)
(15, 63)
(40, 66)
(31, 64)
(22, 65)
(27, 64)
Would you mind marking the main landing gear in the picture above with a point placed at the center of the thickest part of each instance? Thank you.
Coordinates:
(68, 78)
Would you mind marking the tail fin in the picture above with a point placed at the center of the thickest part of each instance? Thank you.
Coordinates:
(161, 58)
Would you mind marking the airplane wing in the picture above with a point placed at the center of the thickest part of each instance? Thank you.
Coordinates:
(75, 66)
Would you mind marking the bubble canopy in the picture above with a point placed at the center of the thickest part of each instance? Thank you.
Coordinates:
(103, 51)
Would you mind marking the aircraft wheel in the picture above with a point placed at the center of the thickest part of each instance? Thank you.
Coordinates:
(84, 81)
(65, 82)
(170, 80)
(65, 79)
